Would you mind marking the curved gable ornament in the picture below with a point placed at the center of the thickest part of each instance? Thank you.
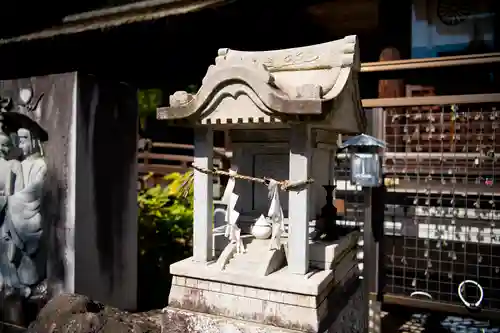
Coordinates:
(317, 83)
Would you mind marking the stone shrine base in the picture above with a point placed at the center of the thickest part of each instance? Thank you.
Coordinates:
(345, 315)
(283, 302)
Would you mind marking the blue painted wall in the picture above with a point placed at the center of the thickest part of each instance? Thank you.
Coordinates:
(430, 36)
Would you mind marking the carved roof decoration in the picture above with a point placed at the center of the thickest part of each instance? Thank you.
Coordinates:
(305, 83)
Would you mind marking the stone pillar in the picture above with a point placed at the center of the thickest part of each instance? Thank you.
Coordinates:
(203, 195)
(298, 204)
(103, 191)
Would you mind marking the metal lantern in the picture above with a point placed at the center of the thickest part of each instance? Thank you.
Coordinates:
(366, 168)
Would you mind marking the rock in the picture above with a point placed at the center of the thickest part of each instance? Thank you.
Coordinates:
(70, 313)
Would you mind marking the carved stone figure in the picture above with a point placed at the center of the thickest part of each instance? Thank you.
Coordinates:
(10, 170)
(21, 264)
(24, 216)
(11, 180)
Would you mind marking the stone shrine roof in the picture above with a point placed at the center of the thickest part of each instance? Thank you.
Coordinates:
(275, 86)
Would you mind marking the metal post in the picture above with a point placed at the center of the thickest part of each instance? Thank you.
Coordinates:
(372, 257)
(373, 231)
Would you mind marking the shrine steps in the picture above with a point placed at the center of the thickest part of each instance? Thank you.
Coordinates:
(256, 258)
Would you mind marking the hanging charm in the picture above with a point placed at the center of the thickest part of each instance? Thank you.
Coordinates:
(276, 215)
(233, 231)
(454, 117)
(489, 182)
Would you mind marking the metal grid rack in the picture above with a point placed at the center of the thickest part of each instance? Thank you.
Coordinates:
(349, 199)
(442, 217)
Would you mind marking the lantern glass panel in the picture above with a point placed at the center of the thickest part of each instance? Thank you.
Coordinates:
(365, 170)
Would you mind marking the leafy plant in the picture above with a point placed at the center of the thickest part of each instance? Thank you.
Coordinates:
(165, 234)
(166, 214)
(148, 100)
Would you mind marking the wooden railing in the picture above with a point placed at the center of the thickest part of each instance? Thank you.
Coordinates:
(179, 159)
(408, 64)
(430, 100)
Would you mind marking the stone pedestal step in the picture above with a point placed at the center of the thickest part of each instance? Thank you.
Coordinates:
(243, 266)
(243, 258)
(257, 258)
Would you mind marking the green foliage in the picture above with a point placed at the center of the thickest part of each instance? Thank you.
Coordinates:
(166, 216)
(192, 89)
(148, 100)
(165, 234)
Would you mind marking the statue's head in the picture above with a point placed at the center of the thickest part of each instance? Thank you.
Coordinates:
(22, 121)
(28, 143)
(5, 145)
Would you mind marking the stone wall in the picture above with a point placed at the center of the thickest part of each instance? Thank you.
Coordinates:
(90, 202)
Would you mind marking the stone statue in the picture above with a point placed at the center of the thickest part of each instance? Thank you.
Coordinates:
(11, 181)
(10, 170)
(25, 216)
(22, 266)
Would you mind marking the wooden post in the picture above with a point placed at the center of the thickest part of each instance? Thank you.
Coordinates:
(392, 89)
(298, 203)
(203, 195)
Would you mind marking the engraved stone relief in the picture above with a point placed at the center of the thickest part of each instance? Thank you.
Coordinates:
(22, 175)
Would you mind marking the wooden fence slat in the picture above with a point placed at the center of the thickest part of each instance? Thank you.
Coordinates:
(172, 145)
(163, 164)
(166, 157)
(162, 169)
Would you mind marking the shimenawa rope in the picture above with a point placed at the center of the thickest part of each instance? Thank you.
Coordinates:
(285, 185)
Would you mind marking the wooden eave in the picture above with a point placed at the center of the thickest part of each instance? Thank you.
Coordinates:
(149, 10)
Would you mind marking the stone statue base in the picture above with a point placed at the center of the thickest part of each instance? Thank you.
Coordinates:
(310, 303)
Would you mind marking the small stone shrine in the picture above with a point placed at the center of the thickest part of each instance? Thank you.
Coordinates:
(269, 265)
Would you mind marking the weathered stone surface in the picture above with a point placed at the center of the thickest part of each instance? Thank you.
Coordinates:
(70, 313)
(89, 120)
(346, 317)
